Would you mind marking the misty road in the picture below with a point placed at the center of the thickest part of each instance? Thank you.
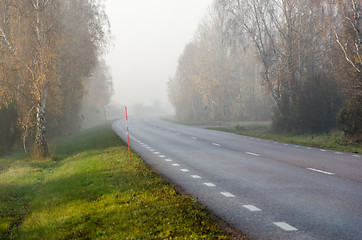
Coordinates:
(266, 189)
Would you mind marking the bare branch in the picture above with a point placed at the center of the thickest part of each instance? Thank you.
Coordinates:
(345, 53)
(46, 2)
(49, 28)
(16, 89)
(12, 49)
(33, 4)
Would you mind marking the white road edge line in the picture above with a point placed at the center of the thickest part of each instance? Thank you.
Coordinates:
(227, 194)
(252, 208)
(253, 154)
(285, 226)
(356, 156)
(320, 171)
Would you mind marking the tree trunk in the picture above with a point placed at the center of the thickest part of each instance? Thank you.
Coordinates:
(40, 138)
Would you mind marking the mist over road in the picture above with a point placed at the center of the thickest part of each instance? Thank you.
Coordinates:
(267, 189)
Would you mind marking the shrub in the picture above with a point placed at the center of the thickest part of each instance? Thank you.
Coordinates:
(350, 118)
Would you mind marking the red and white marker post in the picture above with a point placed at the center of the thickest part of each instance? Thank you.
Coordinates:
(129, 149)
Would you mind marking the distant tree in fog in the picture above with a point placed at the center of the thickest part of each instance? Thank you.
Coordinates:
(294, 42)
(210, 82)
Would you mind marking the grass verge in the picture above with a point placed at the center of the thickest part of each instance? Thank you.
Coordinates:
(93, 190)
(334, 140)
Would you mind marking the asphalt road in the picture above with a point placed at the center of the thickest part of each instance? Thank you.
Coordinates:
(267, 189)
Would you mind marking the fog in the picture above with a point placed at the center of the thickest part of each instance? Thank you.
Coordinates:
(148, 38)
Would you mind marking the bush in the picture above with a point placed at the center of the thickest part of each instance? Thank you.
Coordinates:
(315, 108)
(350, 118)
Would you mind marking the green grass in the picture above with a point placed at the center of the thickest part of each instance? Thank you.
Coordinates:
(334, 140)
(93, 190)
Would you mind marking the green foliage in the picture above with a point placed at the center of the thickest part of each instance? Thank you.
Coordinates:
(95, 191)
(350, 118)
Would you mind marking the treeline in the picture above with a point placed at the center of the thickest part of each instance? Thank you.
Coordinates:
(50, 60)
(303, 55)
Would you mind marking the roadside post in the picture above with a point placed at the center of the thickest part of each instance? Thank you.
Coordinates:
(129, 149)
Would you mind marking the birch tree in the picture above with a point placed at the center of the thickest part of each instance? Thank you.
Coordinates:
(349, 39)
(43, 58)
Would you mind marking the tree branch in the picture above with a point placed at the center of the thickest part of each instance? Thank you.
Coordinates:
(345, 53)
(11, 48)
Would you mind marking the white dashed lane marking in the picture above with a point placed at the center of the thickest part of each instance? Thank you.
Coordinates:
(184, 170)
(320, 171)
(339, 153)
(285, 226)
(168, 160)
(356, 156)
(210, 184)
(252, 208)
(156, 153)
(253, 154)
(195, 176)
(176, 165)
(227, 194)
(162, 156)
(194, 138)
(216, 144)
(322, 150)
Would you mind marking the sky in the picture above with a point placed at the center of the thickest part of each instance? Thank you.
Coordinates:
(148, 38)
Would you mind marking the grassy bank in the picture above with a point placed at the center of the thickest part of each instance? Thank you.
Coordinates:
(93, 190)
(334, 140)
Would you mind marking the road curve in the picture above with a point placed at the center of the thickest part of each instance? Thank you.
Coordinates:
(267, 189)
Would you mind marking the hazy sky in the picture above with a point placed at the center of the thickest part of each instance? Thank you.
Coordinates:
(149, 36)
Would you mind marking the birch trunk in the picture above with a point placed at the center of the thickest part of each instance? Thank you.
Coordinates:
(40, 138)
